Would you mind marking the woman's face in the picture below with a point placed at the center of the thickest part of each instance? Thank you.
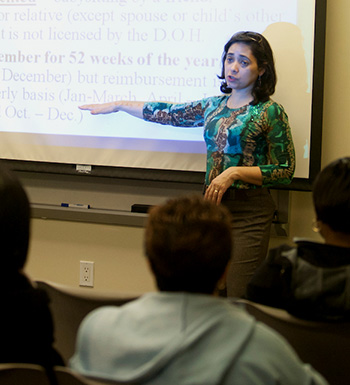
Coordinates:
(241, 68)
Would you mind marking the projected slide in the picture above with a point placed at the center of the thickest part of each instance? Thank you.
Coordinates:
(56, 55)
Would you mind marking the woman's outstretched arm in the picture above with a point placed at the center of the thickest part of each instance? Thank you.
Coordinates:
(130, 107)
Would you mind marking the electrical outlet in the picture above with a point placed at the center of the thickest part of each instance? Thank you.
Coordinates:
(86, 273)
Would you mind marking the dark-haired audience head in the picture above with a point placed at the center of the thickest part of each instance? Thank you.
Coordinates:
(265, 85)
(14, 222)
(331, 196)
(188, 244)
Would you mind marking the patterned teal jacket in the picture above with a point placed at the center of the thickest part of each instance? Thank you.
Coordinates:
(252, 135)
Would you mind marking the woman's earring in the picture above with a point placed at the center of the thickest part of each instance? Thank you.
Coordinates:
(316, 226)
(259, 80)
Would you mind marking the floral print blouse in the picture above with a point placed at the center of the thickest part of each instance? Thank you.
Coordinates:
(252, 135)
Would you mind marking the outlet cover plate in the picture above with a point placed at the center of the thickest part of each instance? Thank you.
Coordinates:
(86, 273)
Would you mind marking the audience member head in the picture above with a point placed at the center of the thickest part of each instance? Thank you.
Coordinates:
(14, 222)
(188, 244)
(331, 196)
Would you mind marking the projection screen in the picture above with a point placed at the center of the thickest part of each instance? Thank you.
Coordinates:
(59, 54)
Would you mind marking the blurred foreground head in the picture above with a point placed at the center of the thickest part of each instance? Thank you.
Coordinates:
(14, 222)
(331, 195)
(188, 244)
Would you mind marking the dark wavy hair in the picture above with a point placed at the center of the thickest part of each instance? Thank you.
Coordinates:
(331, 195)
(265, 85)
(188, 244)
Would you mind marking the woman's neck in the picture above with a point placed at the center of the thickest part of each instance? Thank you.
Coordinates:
(237, 99)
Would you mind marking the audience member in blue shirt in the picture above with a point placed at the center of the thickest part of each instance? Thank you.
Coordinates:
(183, 334)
